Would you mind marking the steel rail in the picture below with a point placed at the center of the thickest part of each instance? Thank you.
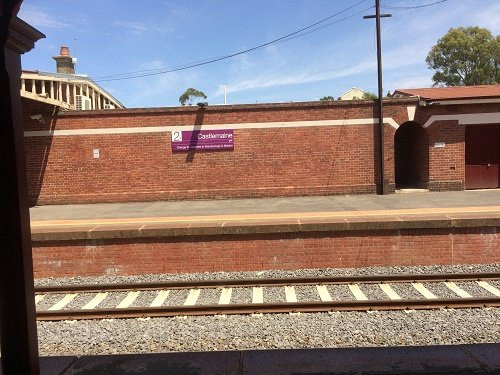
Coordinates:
(230, 283)
(260, 308)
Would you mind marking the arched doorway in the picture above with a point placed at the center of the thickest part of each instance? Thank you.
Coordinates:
(411, 156)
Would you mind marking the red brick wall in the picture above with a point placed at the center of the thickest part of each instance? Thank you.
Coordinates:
(267, 251)
(447, 164)
(265, 162)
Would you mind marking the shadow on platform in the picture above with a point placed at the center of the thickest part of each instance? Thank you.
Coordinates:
(452, 359)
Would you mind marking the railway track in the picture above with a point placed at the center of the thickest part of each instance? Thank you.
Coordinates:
(350, 293)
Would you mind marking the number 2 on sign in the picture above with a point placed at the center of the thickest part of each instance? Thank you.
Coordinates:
(176, 136)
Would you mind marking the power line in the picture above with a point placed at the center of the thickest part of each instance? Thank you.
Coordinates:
(287, 37)
(303, 31)
(413, 7)
(326, 25)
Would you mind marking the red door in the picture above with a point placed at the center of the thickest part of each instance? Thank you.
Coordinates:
(482, 156)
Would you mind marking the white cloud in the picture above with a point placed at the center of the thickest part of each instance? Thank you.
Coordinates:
(161, 91)
(433, 22)
(275, 56)
(410, 82)
(131, 26)
(342, 61)
(488, 17)
(176, 10)
(38, 17)
(153, 64)
(243, 62)
(324, 71)
(139, 28)
(338, 62)
(314, 74)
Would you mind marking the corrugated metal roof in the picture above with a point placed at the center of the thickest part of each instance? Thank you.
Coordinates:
(457, 92)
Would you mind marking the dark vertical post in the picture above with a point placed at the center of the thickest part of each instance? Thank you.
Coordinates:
(383, 186)
(19, 344)
(380, 104)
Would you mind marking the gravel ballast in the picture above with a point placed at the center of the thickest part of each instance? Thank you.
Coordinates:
(348, 329)
(273, 273)
(267, 331)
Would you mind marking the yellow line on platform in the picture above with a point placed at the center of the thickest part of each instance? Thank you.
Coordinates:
(264, 216)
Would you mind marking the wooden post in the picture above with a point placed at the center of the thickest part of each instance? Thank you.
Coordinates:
(19, 344)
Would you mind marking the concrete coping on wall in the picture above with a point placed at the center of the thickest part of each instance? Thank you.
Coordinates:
(267, 226)
(237, 107)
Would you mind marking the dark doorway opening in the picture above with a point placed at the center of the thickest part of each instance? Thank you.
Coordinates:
(411, 156)
(482, 157)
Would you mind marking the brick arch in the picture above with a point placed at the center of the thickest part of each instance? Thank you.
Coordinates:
(411, 155)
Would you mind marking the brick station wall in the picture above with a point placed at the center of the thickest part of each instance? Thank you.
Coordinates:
(265, 162)
(266, 251)
(447, 165)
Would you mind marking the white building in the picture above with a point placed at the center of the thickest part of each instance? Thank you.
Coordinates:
(66, 89)
(352, 94)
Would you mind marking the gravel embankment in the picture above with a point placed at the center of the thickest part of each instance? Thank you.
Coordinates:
(316, 330)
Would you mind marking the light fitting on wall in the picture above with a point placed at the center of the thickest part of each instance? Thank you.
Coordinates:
(38, 118)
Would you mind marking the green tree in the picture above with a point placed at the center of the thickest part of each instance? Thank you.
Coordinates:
(189, 95)
(327, 98)
(465, 56)
(369, 96)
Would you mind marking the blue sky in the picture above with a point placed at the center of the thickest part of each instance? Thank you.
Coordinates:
(121, 36)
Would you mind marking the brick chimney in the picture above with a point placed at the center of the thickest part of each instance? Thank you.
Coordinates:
(64, 61)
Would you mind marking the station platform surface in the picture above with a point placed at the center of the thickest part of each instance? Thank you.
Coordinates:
(448, 359)
(428, 204)
(266, 233)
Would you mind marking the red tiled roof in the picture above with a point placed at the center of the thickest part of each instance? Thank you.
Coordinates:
(457, 92)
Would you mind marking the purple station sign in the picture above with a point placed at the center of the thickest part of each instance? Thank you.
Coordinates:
(202, 140)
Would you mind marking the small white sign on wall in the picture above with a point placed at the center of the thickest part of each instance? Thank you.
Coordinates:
(96, 153)
(177, 136)
(439, 144)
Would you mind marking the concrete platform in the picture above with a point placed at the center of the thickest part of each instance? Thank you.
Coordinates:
(453, 359)
(273, 233)
(258, 206)
(271, 215)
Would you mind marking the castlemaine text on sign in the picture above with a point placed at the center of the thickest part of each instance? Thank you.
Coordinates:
(203, 140)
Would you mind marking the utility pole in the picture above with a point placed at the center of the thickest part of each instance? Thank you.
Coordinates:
(383, 186)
